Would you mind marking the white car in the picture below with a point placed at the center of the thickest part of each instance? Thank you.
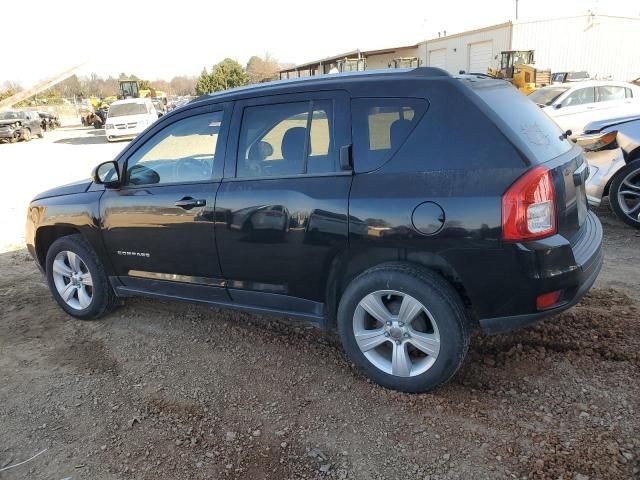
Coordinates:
(573, 105)
(127, 118)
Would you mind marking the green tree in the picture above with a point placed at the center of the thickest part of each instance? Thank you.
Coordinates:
(203, 85)
(228, 74)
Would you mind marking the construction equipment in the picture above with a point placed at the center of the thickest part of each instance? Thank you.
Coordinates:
(405, 62)
(517, 67)
(129, 89)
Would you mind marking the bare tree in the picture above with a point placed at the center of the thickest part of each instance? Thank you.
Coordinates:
(262, 69)
(183, 85)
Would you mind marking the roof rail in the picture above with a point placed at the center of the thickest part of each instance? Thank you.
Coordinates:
(429, 72)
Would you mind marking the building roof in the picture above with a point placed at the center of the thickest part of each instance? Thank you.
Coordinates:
(352, 53)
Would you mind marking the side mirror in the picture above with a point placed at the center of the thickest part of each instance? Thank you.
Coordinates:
(557, 106)
(160, 114)
(107, 174)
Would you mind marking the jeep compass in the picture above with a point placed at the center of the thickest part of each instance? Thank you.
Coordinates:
(402, 208)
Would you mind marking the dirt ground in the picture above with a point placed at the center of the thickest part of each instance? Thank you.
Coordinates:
(163, 390)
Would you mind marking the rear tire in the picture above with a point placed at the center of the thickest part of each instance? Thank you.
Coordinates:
(624, 194)
(418, 334)
(79, 277)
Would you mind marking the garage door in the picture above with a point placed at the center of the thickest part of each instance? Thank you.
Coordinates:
(480, 55)
(438, 58)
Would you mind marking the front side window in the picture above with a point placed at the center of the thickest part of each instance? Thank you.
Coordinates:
(609, 93)
(380, 126)
(286, 139)
(580, 97)
(182, 152)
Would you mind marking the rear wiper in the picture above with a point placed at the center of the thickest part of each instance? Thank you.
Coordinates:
(565, 135)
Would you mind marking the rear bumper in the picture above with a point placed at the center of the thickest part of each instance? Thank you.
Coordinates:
(574, 281)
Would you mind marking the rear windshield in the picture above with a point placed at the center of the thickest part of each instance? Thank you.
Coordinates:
(546, 96)
(528, 127)
(122, 109)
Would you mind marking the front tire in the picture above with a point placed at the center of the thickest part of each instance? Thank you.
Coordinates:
(26, 135)
(77, 278)
(404, 327)
(624, 194)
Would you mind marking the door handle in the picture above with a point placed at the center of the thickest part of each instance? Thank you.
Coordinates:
(188, 203)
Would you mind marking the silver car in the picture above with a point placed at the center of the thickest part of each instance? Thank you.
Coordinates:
(612, 148)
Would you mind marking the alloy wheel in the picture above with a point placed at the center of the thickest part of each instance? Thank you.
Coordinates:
(396, 333)
(72, 280)
(629, 195)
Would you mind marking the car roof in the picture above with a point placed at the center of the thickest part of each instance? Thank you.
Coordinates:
(335, 80)
(590, 83)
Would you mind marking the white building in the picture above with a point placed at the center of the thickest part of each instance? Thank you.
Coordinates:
(605, 46)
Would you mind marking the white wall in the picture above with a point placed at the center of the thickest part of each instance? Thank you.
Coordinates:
(603, 46)
(457, 46)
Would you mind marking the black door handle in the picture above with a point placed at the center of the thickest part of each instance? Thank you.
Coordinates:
(188, 203)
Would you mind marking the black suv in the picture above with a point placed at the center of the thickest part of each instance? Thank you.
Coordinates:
(403, 208)
(20, 125)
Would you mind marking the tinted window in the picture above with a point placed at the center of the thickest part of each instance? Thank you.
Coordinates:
(609, 92)
(380, 126)
(530, 126)
(286, 139)
(181, 152)
(580, 97)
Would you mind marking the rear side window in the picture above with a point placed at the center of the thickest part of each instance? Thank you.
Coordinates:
(532, 130)
(287, 139)
(380, 126)
(608, 93)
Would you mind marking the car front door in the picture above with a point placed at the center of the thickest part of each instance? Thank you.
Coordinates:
(158, 228)
(575, 109)
(282, 208)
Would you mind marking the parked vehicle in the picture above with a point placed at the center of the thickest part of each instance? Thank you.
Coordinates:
(402, 207)
(517, 67)
(127, 118)
(564, 77)
(19, 125)
(612, 148)
(48, 121)
(573, 105)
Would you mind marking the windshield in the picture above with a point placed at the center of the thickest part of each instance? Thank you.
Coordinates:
(123, 109)
(546, 96)
(10, 115)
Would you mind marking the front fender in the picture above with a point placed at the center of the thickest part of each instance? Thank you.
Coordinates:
(50, 218)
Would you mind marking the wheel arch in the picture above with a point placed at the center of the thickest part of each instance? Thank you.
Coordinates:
(46, 235)
(348, 265)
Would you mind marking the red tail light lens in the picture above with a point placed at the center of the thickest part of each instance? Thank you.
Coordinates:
(529, 207)
(548, 300)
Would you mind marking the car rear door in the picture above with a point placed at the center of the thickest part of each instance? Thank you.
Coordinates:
(282, 208)
(158, 228)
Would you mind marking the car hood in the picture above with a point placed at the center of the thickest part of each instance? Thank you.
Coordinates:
(598, 125)
(75, 187)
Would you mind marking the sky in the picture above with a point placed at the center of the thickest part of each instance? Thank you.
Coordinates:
(161, 39)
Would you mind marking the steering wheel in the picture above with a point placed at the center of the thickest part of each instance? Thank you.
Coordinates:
(193, 167)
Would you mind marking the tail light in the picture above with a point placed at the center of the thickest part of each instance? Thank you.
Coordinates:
(596, 141)
(529, 207)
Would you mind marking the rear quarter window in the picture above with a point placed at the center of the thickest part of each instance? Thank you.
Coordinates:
(380, 126)
(523, 122)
